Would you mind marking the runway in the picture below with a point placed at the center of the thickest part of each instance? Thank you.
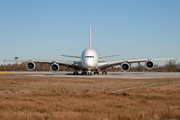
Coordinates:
(135, 75)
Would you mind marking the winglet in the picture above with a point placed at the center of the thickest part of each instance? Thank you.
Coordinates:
(90, 46)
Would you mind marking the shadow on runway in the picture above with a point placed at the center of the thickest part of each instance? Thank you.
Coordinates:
(116, 74)
(60, 74)
(126, 73)
(71, 74)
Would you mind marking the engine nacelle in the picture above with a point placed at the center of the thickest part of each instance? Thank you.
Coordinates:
(149, 64)
(54, 67)
(125, 67)
(30, 65)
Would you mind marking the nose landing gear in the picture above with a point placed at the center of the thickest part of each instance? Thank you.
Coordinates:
(89, 71)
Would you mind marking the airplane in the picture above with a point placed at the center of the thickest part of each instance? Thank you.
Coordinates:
(89, 62)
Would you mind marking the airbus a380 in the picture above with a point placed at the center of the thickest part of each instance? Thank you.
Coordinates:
(89, 62)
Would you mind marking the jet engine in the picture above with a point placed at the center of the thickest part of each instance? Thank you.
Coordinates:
(54, 67)
(149, 64)
(30, 65)
(125, 67)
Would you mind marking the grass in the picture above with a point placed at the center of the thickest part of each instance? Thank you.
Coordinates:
(46, 98)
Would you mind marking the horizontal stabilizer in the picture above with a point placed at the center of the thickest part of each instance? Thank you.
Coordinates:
(108, 56)
(71, 56)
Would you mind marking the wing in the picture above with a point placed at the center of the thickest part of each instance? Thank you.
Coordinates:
(71, 56)
(76, 65)
(108, 56)
(113, 63)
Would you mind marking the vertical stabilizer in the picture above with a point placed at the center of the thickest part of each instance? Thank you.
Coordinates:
(90, 46)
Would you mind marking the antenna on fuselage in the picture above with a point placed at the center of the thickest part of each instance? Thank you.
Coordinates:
(90, 46)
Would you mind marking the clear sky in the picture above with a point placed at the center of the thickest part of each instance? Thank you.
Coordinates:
(46, 29)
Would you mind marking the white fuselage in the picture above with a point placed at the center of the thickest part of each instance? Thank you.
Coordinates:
(89, 59)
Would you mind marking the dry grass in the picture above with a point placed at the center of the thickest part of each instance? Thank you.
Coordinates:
(46, 98)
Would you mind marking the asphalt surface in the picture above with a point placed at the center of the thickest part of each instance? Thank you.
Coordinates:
(135, 75)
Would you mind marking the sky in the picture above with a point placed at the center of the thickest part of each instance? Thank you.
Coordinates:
(44, 29)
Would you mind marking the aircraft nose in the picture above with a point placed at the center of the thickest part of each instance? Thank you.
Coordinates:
(90, 63)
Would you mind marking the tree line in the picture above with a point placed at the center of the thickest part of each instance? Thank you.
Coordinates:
(171, 66)
(22, 67)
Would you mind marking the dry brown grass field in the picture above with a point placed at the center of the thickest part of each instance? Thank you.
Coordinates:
(47, 98)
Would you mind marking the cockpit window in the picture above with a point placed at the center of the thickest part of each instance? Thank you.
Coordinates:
(89, 57)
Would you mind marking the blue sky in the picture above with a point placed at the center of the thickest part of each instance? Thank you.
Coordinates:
(44, 29)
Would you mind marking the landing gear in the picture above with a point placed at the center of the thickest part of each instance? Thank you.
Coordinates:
(96, 72)
(75, 73)
(104, 72)
(89, 73)
(84, 73)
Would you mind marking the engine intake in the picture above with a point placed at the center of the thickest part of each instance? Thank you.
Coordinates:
(125, 66)
(149, 64)
(54, 67)
(30, 65)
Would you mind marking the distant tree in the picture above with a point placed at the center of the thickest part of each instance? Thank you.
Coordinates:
(178, 67)
(171, 66)
(140, 68)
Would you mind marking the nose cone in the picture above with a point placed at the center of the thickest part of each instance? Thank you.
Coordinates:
(90, 63)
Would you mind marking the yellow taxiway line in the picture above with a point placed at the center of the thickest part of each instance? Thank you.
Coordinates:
(3, 72)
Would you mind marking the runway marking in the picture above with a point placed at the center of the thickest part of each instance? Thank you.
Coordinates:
(142, 86)
(3, 72)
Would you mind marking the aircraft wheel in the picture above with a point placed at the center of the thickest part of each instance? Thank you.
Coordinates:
(89, 73)
(75, 73)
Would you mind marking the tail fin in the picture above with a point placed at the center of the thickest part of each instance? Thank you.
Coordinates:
(90, 46)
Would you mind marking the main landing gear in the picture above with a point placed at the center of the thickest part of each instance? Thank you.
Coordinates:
(96, 72)
(84, 73)
(104, 72)
(89, 73)
(75, 73)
